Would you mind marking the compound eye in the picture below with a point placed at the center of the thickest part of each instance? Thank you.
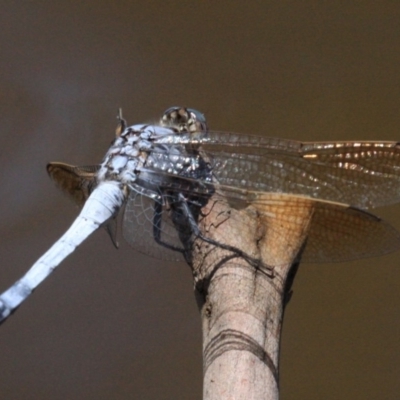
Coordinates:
(198, 120)
(197, 115)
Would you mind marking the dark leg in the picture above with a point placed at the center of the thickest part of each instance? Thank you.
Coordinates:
(157, 222)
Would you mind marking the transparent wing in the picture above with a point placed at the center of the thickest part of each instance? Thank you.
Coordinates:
(363, 174)
(337, 232)
(252, 171)
(75, 182)
(138, 228)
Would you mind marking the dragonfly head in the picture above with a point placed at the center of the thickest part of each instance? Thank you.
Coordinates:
(184, 119)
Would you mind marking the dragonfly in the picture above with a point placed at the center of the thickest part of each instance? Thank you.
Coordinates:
(163, 176)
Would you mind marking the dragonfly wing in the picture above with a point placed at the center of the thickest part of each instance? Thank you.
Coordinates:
(337, 232)
(138, 228)
(356, 173)
(304, 174)
(75, 182)
(363, 174)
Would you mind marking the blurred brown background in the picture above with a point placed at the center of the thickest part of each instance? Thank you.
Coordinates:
(117, 324)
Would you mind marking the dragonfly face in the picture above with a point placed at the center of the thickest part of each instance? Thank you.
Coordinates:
(278, 177)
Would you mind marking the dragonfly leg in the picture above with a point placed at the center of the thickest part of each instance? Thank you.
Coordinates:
(196, 231)
(157, 228)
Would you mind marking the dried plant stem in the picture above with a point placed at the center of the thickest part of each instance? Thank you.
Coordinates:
(241, 304)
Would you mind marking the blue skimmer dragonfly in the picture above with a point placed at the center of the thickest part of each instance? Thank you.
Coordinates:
(166, 175)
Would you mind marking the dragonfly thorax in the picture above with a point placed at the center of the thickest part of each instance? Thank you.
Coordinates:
(165, 147)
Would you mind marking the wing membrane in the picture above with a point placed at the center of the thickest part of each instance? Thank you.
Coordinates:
(75, 182)
(337, 232)
(363, 174)
(138, 228)
(255, 172)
